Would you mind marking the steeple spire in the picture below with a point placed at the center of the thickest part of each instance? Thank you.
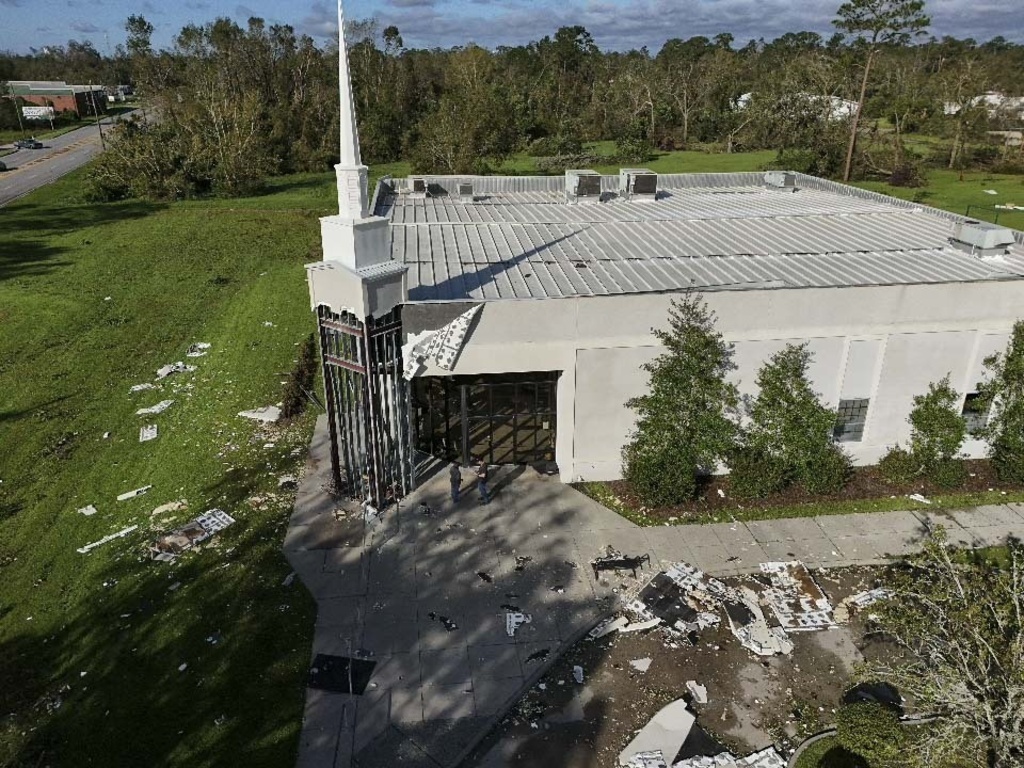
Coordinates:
(352, 174)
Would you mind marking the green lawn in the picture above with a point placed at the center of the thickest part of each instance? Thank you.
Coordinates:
(93, 299)
(41, 129)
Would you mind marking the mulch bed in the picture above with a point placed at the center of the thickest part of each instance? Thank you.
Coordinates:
(865, 484)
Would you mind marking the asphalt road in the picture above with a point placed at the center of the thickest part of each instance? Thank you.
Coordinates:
(30, 169)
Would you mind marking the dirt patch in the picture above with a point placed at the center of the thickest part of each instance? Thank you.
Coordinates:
(753, 702)
(715, 497)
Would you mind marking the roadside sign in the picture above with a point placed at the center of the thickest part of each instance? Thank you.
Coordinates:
(37, 113)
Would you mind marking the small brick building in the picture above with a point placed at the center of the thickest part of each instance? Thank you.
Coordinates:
(83, 100)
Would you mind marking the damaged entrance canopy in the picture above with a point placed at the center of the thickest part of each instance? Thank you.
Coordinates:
(795, 598)
(441, 347)
(170, 545)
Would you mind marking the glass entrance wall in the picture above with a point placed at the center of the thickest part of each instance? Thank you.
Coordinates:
(500, 419)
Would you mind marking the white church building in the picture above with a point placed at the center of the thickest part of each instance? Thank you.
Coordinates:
(506, 319)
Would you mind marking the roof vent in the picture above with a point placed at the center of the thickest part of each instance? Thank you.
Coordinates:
(981, 237)
(638, 184)
(781, 180)
(466, 192)
(582, 186)
(417, 187)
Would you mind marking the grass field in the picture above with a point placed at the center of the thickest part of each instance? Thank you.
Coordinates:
(93, 299)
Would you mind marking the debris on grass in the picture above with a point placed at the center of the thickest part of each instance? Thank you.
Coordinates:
(287, 483)
(120, 534)
(699, 692)
(663, 735)
(641, 665)
(148, 432)
(198, 349)
(160, 407)
(796, 599)
(172, 368)
(132, 494)
(919, 498)
(171, 506)
(288, 580)
(514, 620)
(577, 674)
(172, 544)
(88, 511)
(268, 414)
(142, 387)
(766, 758)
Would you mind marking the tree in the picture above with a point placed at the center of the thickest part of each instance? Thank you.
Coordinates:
(892, 22)
(958, 625)
(1005, 390)
(874, 732)
(937, 432)
(686, 422)
(788, 423)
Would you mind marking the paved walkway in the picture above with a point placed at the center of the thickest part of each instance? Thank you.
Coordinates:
(384, 592)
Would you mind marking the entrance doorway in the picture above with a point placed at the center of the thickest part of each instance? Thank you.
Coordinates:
(499, 419)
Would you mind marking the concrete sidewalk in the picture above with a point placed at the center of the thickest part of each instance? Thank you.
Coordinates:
(383, 594)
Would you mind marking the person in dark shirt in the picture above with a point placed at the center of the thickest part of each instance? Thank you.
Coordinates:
(455, 473)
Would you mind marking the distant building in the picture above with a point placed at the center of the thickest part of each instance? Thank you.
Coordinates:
(838, 108)
(506, 319)
(996, 105)
(83, 100)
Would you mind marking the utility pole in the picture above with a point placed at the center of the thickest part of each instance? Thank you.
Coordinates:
(99, 120)
(17, 110)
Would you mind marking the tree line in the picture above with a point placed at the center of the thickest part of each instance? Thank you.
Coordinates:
(237, 103)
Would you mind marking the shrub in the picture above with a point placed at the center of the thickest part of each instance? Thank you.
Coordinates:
(872, 731)
(661, 476)
(301, 380)
(754, 474)
(827, 472)
(937, 428)
(1006, 391)
(948, 473)
(899, 466)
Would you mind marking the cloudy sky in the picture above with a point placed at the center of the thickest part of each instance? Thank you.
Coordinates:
(617, 24)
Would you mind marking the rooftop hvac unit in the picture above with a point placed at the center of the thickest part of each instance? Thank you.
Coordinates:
(582, 186)
(417, 186)
(466, 192)
(781, 180)
(982, 236)
(638, 184)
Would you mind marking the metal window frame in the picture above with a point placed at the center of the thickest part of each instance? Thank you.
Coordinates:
(851, 419)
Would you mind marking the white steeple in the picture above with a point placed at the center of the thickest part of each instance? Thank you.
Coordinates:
(352, 174)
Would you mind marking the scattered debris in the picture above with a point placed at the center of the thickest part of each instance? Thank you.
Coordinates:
(796, 599)
(198, 349)
(700, 692)
(647, 760)
(160, 407)
(288, 580)
(142, 387)
(664, 734)
(919, 498)
(267, 324)
(287, 483)
(450, 625)
(509, 607)
(871, 596)
(641, 665)
(88, 511)
(120, 534)
(607, 626)
(148, 432)
(484, 576)
(172, 368)
(132, 494)
(616, 561)
(558, 589)
(577, 674)
(991, 192)
(268, 414)
(514, 621)
(521, 561)
(640, 626)
(540, 655)
(171, 506)
(183, 667)
(766, 758)
(748, 624)
(172, 544)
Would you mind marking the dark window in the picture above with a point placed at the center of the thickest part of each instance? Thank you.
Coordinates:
(975, 412)
(850, 420)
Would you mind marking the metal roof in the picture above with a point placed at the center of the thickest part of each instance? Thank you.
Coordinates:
(519, 239)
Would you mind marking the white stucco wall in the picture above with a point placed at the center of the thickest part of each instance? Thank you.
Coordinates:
(882, 342)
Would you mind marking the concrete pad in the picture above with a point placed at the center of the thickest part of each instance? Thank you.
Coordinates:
(406, 704)
(343, 560)
(396, 670)
(445, 666)
(983, 517)
(448, 702)
(866, 522)
(339, 611)
(492, 695)
(796, 529)
(494, 661)
(390, 637)
(343, 640)
(994, 535)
